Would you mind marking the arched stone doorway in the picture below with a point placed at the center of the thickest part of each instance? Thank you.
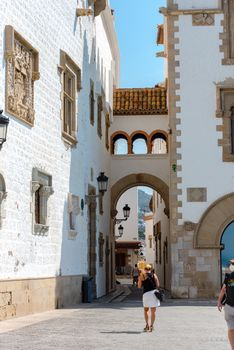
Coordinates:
(227, 243)
(141, 179)
(208, 237)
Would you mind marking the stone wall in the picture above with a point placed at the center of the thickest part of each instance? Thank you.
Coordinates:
(27, 296)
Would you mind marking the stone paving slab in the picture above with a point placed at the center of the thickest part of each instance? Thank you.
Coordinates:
(119, 327)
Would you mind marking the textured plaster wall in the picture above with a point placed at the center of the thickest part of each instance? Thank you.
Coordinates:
(130, 226)
(145, 123)
(159, 216)
(49, 27)
(149, 251)
(200, 68)
(198, 4)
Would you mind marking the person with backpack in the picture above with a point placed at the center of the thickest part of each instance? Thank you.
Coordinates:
(150, 284)
(226, 299)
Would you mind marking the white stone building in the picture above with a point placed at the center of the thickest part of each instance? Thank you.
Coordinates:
(199, 48)
(127, 245)
(59, 63)
(149, 248)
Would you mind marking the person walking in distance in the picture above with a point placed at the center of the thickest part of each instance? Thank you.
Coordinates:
(228, 291)
(135, 275)
(150, 283)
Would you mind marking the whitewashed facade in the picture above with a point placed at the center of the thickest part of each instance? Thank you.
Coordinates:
(57, 255)
(200, 61)
(125, 244)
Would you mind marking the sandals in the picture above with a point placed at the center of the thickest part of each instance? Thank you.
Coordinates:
(148, 328)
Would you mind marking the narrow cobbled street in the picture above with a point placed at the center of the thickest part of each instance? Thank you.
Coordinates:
(181, 325)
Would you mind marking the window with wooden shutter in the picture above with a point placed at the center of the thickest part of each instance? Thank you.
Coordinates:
(228, 32)
(225, 111)
(37, 206)
(107, 131)
(71, 84)
(91, 102)
(69, 103)
(99, 116)
(41, 191)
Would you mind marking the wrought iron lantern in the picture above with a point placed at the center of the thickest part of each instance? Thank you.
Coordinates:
(120, 229)
(4, 121)
(126, 211)
(102, 180)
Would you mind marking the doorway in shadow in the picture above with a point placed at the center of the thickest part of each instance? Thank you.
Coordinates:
(227, 251)
(92, 233)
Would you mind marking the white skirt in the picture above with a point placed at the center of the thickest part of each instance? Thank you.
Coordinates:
(150, 299)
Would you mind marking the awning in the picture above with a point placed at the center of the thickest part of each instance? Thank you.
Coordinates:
(127, 244)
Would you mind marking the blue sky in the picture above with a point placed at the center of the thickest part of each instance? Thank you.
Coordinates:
(136, 25)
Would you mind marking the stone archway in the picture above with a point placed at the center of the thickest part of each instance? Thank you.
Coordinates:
(139, 180)
(133, 180)
(208, 235)
(213, 222)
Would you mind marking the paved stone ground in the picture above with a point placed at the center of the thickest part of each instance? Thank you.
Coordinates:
(118, 326)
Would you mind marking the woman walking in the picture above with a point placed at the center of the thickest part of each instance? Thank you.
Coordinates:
(150, 283)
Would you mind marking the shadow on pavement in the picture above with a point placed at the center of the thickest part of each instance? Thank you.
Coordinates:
(121, 332)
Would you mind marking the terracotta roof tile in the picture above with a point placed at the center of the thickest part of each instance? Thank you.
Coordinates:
(140, 101)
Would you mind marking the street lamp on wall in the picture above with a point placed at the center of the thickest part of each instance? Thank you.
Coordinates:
(126, 211)
(120, 229)
(126, 214)
(4, 121)
(102, 180)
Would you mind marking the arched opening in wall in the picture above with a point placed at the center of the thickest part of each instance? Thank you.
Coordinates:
(139, 144)
(119, 144)
(145, 234)
(159, 143)
(214, 232)
(227, 253)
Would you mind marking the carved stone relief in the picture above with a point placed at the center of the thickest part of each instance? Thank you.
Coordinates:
(73, 207)
(189, 226)
(197, 194)
(21, 71)
(203, 19)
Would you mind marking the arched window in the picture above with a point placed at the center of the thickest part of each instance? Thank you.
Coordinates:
(139, 144)
(159, 143)
(120, 144)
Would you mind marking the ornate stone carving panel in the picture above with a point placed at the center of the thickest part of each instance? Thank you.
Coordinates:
(196, 194)
(203, 19)
(21, 71)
